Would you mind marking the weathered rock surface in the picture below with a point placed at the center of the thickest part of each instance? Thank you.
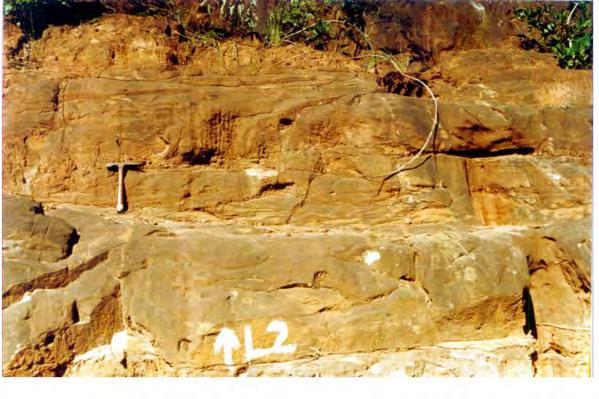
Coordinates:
(341, 292)
(226, 154)
(54, 310)
(28, 234)
(262, 222)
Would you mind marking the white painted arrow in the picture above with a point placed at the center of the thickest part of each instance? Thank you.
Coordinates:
(226, 341)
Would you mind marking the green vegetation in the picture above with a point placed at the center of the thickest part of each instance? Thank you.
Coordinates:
(311, 21)
(357, 10)
(34, 16)
(23, 12)
(307, 21)
(566, 33)
(304, 19)
(239, 14)
(207, 21)
(24, 6)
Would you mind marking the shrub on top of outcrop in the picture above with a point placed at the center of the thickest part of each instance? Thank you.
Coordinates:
(24, 13)
(298, 16)
(33, 16)
(566, 33)
(239, 15)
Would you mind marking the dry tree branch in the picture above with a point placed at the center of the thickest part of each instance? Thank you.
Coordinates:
(571, 14)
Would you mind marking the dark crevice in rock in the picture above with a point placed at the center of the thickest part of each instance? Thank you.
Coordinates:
(325, 309)
(172, 59)
(55, 97)
(534, 357)
(60, 370)
(71, 242)
(75, 312)
(483, 153)
(475, 128)
(202, 156)
(556, 348)
(183, 345)
(49, 338)
(381, 295)
(285, 121)
(530, 325)
(317, 278)
(124, 362)
(56, 279)
(241, 369)
(315, 283)
(161, 233)
(427, 293)
(294, 285)
(274, 187)
(301, 203)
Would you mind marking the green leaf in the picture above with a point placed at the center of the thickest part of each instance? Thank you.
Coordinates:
(571, 43)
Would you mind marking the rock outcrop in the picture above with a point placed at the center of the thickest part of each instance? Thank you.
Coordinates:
(28, 234)
(264, 237)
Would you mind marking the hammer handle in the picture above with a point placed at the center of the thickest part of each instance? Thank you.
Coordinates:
(120, 206)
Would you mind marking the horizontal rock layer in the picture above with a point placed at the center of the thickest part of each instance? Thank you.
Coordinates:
(340, 292)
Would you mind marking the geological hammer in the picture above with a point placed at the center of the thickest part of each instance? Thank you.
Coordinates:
(122, 167)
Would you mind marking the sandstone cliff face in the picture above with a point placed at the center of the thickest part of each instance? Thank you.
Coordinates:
(262, 223)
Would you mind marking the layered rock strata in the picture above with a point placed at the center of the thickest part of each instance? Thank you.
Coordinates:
(263, 224)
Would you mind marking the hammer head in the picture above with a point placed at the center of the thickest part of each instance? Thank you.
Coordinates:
(115, 166)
